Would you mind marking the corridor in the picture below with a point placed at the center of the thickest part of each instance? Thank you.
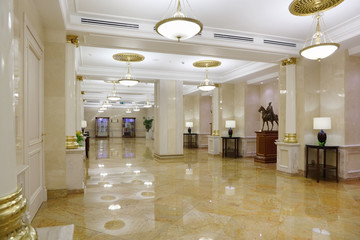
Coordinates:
(129, 195)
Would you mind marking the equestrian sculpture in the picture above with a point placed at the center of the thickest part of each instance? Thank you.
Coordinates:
(268, 115)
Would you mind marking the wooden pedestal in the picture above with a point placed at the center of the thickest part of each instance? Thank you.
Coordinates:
(265, 146)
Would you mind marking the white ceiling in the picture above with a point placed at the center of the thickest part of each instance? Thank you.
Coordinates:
(165, 59)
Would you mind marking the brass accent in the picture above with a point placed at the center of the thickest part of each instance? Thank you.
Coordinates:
(82, 92)
(317, 45)
(309, 7)
(12, 208)
(288, 61)
(290, 138)
(128, 57)
(79, 78)
(206, 63)
(70, 142)
(73, 39)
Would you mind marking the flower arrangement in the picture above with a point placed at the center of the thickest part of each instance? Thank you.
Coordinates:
(79, 138)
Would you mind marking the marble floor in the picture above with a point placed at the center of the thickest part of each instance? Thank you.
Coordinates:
(129, 195)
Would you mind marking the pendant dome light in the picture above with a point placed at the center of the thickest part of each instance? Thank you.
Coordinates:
(206, 85)
(318, 45)
(128, 80)
(179, 26)
(114, 96)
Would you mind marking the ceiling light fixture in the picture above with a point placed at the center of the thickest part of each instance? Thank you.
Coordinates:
(206, 85)
(147, 105)
(319, 45)
(114, 96)
(128, 80)
(136, 108)
(128, 110)
(178, 26)
(106, 104)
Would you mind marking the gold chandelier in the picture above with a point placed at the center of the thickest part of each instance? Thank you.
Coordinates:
(128, 80)
(178, 26)
(114, 96)
(319, 45)
(206, 85)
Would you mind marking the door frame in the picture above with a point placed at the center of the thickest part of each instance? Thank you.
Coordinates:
(96, 127)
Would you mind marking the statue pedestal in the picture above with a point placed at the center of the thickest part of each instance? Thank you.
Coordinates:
(265, 146)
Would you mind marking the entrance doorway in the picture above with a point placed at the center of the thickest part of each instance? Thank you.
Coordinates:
(128, 126)
(102, 127)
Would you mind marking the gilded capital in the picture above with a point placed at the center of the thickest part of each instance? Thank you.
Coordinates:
(288, 61)
(79, 78)
(73, 39)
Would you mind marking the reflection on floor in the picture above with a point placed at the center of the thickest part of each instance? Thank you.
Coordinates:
(129, 195)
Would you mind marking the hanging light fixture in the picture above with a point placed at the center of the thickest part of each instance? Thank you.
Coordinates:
(206, 85)
(128, 80)
(114, 96)
(106, 104)
(147, 105)
(178, 26)
(319, 45)
(128, 110)
(136, 108)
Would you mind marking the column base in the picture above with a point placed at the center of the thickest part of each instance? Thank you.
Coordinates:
(287, 157)
(12, 208)
(214, 145)
(70, 142)
(168, 158)
(290, 138)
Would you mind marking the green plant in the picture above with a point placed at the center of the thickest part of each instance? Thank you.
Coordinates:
(148, 123)
(79, 137)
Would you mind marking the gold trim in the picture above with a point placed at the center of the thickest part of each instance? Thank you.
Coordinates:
(82, 92)
(12, 208)
(290, 138)
(306, 7)
(128, 57)
(79, 78)
(288, 61)
(73, 39)
(206, 63)
(178, 19)
(320, 44)
(70, 142)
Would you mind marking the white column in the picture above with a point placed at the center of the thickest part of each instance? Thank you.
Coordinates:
(12, 203)
(79, 103)
(215, 111)
(8, 181)
(70, 96)
(168, 119)
(290, 117)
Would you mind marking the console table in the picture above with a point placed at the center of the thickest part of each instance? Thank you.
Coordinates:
(322, 166)
(225, 144)
(190, 140)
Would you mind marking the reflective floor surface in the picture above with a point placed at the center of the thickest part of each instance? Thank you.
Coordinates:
(129, 195)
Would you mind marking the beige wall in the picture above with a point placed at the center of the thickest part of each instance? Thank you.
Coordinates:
(192, 111)
(252, 104)
(226, 106)
(205, 115)
(116, 115)
(352, 100)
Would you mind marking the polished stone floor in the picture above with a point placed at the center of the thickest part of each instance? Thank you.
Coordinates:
(129, 195)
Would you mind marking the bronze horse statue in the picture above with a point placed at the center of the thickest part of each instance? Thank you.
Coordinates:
(268, 116)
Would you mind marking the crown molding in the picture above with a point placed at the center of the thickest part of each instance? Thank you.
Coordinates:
(263, 78)
(346, 30)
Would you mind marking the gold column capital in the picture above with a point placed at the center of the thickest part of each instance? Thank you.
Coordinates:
(290, 138)
(79, 78)
(288, 61)
(82, 92)
(73, 39)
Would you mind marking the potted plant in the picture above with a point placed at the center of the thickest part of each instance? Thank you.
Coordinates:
(148, 124)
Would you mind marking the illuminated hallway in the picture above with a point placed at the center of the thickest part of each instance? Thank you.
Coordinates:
(129, 195)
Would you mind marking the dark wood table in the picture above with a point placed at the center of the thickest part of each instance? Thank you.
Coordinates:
(190, 140)
(318, 165)
(225, 146)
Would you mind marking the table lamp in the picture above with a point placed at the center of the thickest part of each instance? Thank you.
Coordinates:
(322, 123)
(189, 125)
(83, 125)
(230, 124)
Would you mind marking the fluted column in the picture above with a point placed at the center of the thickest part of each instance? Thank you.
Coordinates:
(12, 203)
(70, 95)
(168, 119)
(290, 117)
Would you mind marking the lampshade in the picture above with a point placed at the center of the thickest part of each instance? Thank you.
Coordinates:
(147, 105)
(230, 124)
(114, 96)
(128, 111)
(319, 44)
(83, 124)
(178, 26)
(136, 109)
(189, 124)
(322, 123)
